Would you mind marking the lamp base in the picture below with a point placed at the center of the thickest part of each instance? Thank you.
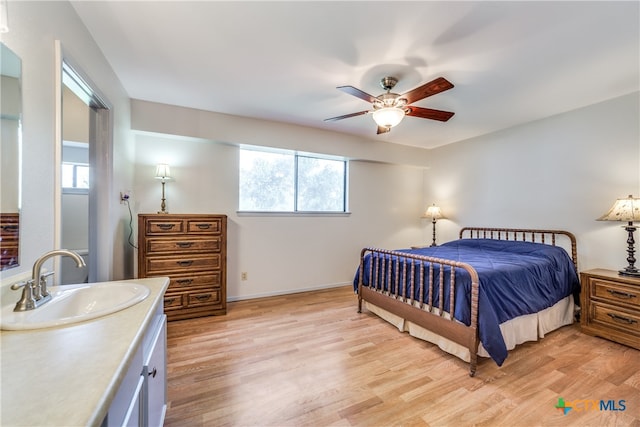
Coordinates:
(631, 273)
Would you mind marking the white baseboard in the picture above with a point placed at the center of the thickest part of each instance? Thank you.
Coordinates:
(286, 292)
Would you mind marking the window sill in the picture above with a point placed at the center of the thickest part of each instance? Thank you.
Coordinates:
(292, 214)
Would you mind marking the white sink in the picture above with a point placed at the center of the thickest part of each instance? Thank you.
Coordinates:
(74, 303)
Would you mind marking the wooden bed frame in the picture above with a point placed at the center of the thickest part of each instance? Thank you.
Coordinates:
(424, 313)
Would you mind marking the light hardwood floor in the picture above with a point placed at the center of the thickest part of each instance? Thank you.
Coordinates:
(310, 359)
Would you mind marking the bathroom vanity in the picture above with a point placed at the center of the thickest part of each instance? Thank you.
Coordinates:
(102, 372)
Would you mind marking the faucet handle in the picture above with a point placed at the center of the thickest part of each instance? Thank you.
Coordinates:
(27, 301)
(41, 287)
(19, 285)
(45, 275)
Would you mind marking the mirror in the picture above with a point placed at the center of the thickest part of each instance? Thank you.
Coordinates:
(11, 114)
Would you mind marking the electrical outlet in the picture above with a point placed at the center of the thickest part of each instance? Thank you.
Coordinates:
(243, 275)
(124, 196)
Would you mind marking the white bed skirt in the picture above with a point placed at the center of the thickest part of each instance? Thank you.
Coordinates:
(516, 331)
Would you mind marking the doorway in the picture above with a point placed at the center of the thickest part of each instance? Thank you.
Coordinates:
(83, 177)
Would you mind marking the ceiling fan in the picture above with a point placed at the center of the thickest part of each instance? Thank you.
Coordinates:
(390, 108)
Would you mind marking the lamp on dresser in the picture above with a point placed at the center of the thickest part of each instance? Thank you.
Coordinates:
(435, 213)
(626, 210)
(163, 173)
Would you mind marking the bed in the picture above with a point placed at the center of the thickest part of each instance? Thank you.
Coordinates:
(480, 295)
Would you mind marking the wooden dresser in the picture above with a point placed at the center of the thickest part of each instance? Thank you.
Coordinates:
(192, 251)
(9, 240)
(611, 306)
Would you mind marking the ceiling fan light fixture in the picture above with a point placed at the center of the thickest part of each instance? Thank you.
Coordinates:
(388, 117)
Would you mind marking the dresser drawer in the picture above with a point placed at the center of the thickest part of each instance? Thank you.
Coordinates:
(173, 301)
(615, 317)
(182, 264)
(615, 293)
(186, 245)
(204, 298)
(204, 226)
(209, 280)
(163, 227)
(181, 300)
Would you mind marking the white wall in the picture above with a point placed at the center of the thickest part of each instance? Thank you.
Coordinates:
(284, 253)
(561, 172)
(34, 27)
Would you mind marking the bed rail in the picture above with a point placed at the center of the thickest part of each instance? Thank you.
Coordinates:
(548, 237)
(389, 272)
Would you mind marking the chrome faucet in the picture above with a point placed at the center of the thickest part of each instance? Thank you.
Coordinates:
(34, 292)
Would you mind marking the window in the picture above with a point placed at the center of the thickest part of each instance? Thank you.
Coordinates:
(75, 176)
(273, 181)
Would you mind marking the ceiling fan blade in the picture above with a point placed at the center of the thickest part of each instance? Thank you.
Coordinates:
(428, 89)
(346, 116)
(357, 93)
(428, 113)
(382, 129)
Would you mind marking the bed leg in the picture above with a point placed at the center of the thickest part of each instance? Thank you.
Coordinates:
(473, 363)
(359, 304)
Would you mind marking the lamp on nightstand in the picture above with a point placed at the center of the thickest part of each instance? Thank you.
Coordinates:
(163, 173)
(626, 210)
(435, 214)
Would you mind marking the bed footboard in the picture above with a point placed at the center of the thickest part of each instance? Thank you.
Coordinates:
(403, 284)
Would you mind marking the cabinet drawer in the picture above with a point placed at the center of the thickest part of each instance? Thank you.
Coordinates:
(615, 317)
(164, 226)
(204, 226)
(615, 292)
(209, 280)
(176, 246)
(179, 264)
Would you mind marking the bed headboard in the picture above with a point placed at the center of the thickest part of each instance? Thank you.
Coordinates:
(523, 234)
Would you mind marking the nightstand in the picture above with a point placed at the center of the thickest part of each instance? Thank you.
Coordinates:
(611, 306)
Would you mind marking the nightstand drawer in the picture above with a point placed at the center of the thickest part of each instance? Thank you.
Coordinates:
(615, 317)
(615, 292)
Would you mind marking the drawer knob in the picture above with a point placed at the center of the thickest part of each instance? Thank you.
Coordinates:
(184, 281)
(203, 297)
(619, 294)
(622, 319)
(184, 263)
(10, 228)
(166, 226)
(184, 244)
(168, 301)
(204, 226)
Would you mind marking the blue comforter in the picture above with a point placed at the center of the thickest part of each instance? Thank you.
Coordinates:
(516, 278)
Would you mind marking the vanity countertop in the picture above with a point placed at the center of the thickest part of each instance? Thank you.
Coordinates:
(68, 376)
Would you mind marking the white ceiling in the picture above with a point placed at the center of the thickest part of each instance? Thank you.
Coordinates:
(511, 62)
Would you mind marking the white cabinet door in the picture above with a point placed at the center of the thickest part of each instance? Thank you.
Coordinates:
(155, 373)
(133, 417)
(127, 395)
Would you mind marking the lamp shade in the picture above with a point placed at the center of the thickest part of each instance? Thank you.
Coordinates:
(433, 212)
(388, 117)
(623, 210)
(163, 172)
